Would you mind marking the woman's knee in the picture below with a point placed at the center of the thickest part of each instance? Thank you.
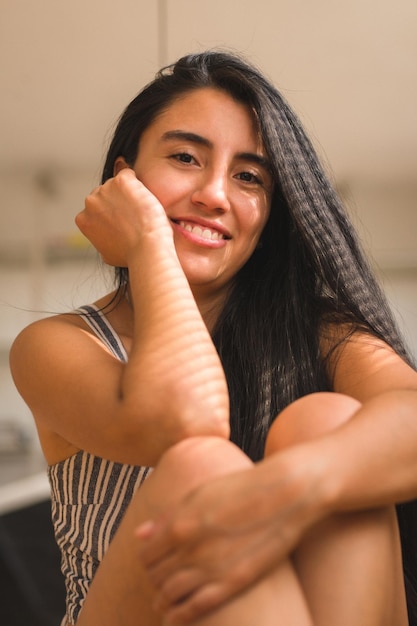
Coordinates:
(309, 417)
(189, 464)
(205, 456)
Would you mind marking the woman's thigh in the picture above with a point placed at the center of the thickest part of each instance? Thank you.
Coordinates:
(120, 592)
(349, 565)
(343, 555)
(121, 595)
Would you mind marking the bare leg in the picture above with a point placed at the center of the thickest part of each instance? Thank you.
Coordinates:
(120, 594)
(346, 571)
(349, 565)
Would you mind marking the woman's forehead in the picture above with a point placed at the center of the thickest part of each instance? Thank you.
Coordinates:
(210, 112)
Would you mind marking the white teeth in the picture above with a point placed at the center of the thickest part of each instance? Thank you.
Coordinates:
(205, 233)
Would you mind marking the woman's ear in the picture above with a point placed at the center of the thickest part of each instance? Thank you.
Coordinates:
(119, 164)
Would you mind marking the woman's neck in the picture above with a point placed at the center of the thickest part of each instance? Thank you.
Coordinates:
(210, 307)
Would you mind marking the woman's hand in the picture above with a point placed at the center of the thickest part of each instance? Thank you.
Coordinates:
(118, 214)
(226, 535)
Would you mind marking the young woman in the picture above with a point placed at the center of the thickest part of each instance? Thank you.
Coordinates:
(242, 295)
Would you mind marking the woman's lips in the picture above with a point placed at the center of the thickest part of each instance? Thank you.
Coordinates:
(200, 232)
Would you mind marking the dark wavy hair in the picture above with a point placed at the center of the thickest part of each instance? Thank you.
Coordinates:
(309, 271)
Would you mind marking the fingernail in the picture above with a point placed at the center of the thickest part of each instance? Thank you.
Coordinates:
(144, 531)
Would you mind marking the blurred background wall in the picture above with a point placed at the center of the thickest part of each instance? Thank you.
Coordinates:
(69, 68)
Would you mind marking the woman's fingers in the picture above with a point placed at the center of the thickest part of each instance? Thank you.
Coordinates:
(178, 588)
(118, 214)
(224, 537)
(204, 600)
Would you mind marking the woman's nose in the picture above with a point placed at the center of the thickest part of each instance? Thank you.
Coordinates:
(212, 192)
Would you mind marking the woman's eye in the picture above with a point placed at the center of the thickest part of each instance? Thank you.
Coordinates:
(249, 177)
(184, 157)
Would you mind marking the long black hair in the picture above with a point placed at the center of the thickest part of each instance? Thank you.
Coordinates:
(308, 272)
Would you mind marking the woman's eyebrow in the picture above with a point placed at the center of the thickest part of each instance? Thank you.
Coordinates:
(187, 136)
(257, 159)
(251, 157)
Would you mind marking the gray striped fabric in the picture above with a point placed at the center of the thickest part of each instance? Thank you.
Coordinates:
(89, 497)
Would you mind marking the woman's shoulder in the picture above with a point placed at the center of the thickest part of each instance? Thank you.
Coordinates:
(50, 361)
(49, 341)
(361, 364)
(45, 330)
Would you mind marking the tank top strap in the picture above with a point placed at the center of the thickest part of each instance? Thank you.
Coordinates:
(101, 327)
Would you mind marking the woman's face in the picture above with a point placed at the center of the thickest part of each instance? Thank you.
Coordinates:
(204, 160)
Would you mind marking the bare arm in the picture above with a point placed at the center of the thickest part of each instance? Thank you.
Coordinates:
(259, 516)
(374, 455)
(173, 385)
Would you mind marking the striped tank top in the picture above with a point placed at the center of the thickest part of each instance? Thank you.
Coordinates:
(89, 497)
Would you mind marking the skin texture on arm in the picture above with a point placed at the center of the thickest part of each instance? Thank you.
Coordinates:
(253, 519)
(81, 394)
(374, 455)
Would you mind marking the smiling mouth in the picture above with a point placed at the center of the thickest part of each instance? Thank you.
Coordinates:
(203, 232)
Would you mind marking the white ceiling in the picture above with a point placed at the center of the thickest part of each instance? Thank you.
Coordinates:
(349, 69)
